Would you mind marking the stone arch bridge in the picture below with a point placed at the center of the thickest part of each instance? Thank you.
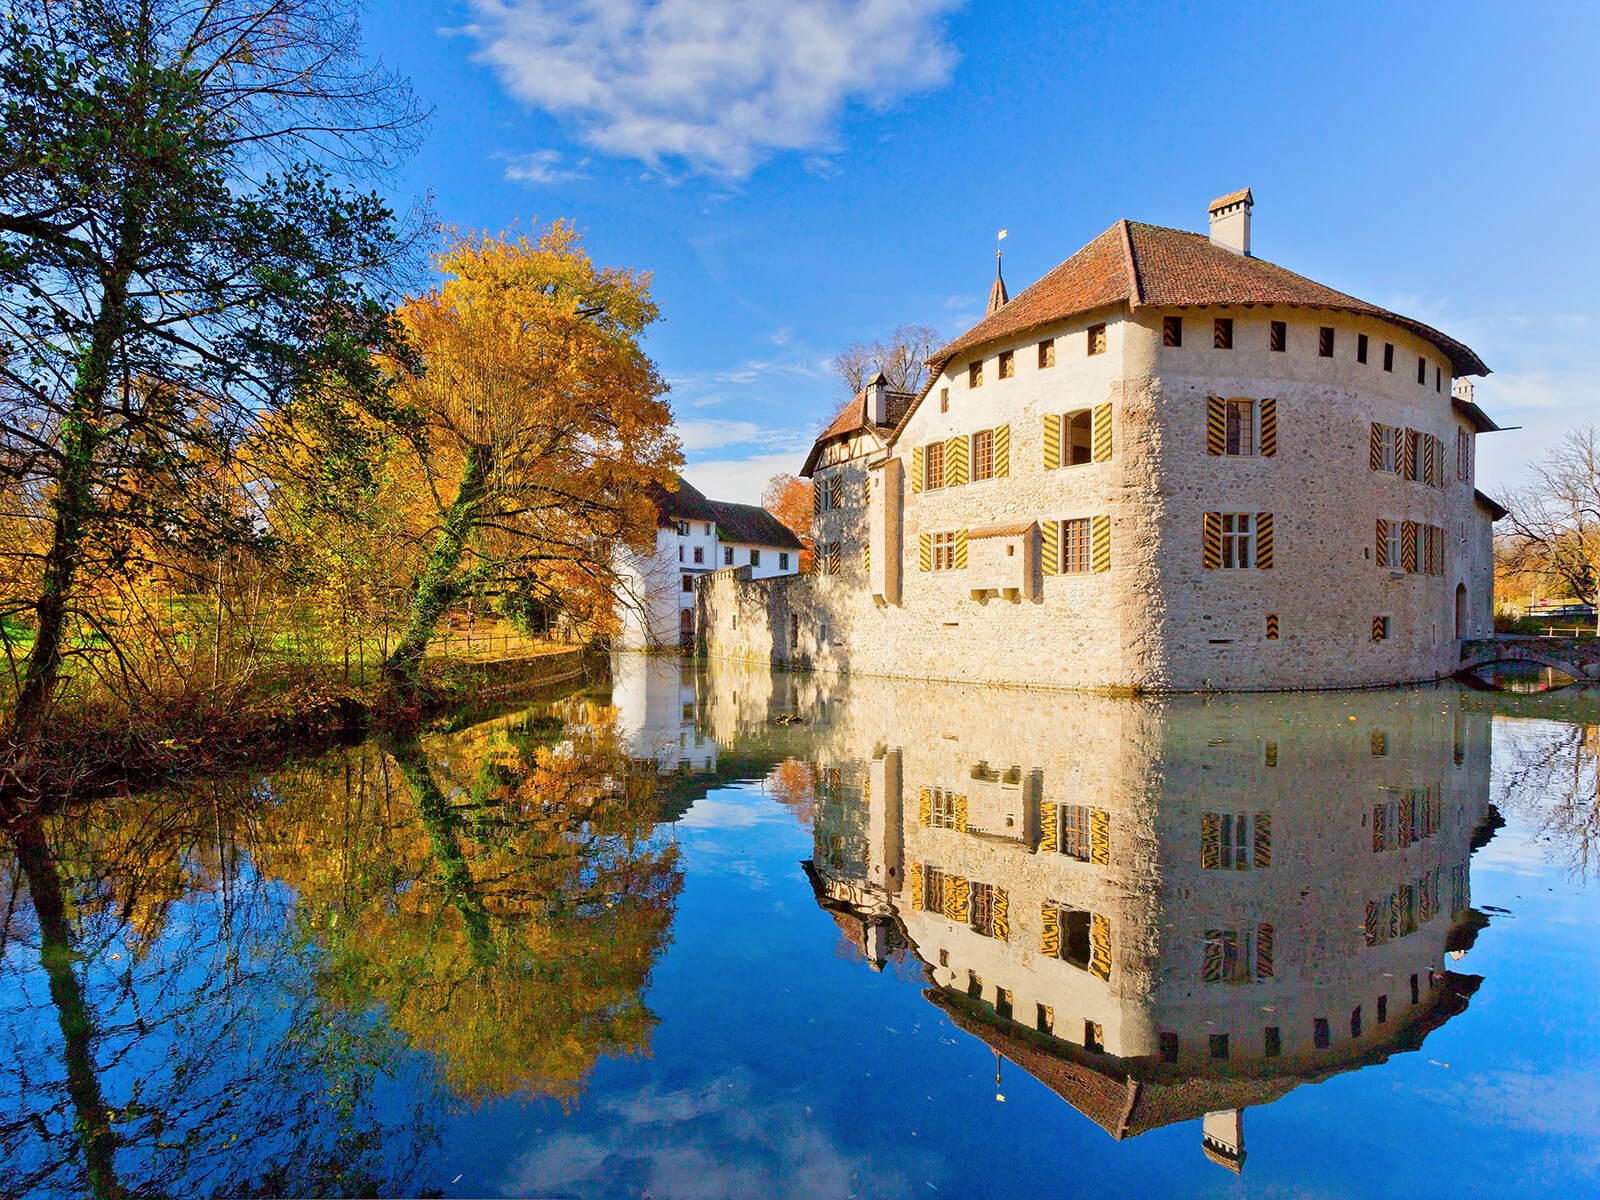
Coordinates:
(1578, 657)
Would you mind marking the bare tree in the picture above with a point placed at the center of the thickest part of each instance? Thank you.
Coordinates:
(902, 357)
(1555, 518)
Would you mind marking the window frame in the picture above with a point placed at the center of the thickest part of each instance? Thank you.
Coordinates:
(932, 480)
(975, 374)
(942, 550)
(1222, 333)
(1047, 353)
(980, 465)
(1278, 337)
(1233, 539)
(1361, 347)
(755, 557)
(1098, 340)
(1172, 332)
(1078, 533)
(1007, 366)
(1232, 428)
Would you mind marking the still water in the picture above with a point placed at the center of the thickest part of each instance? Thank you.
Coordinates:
(721, 932)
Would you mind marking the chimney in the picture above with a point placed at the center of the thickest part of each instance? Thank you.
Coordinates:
(1230, 221)
(878, 399)
(1461, 389)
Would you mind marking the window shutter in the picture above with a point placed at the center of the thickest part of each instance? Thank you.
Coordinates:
(1049, 828)
(1427, 459)
(1099, 836)
(1408, 546)
(1212, 555)
(1002, 914)
(1100, 946)
(914, 870)
(866, 557)
(1410, 454)
(1383, 543)
(1216, 426)
(1052, 442)
(1050, 548)
(1211, 972)
(816, 496)
(916, 470)
(1049, 930)
(1263, 541)
(1408, 818)
(960, 807)
(1002, 451)
(1100, 433)
(1264, 937)
(1210, 841)
(1263, 836)
(1377, 828)
(955, 461)
(835, 554)
(956, 892)
(1375, 454)
(1269, 427)
(925, 807)
(961, 549)
(836, 491)
(1100, 544)
(925, 550)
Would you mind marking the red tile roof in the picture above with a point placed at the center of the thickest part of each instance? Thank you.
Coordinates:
(1231, 198)
(853, 417)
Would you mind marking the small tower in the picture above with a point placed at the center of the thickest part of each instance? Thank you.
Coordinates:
(997, 293)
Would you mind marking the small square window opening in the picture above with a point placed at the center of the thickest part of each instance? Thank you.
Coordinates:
(1361, 347)
(1172, 331)
(1047, 353)
(1325, 341)
(1097, 339)
(1222, 333)
(1280, 336)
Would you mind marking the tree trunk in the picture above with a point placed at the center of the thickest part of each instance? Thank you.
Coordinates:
(437, 587)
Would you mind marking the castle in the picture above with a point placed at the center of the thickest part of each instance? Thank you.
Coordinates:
(1168, 465)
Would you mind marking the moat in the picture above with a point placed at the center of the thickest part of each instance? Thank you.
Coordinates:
(709, 930)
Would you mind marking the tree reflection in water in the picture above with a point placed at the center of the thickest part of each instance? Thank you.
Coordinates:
(224, 990)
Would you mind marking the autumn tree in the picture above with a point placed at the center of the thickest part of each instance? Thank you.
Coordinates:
(788, 498)
(1554, 530)
(545, 427)
(902, 357)
(177, 255)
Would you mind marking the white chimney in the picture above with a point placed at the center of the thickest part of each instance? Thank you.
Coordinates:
(1461, 389)
(1230, 221)
(878, 399)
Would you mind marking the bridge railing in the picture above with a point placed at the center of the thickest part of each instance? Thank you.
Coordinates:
(1575, 631)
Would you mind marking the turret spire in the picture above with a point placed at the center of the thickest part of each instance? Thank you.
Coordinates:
(997, 293)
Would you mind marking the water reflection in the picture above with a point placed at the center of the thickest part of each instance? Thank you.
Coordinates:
(285, 984)
(1163, 911)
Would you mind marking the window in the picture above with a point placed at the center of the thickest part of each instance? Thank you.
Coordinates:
(1169, 1047)
(944, 399)
(1271, 1041)
(944, 551)
(680, 553)
(933, 466)
(1413, 989)
(975, 374)
(974, 985)
(1422, 369)
(755, 558)
(783, 560)
(1355, 1022)
(683, 529)
(1385, 448)
(1319, 1033)
(983, 455)
(1438, 379)
(1097, 339)
(1008, 365)
(1075, 547)
(727, 556)
(1047, 353)
(1172, 331)
(1361, 347)
(1222, 333)
(1464, 453)
(1388, 356)
(1219, 1045)
(1093, 1038)
(1238, 542)
(1076, 839)
(1075, 941)
(1241, 428)
(700, 554)
(1226, 843)
(1045, 1019)
(983, 903)
(688, 583)
(1280, 337)
(1002, 1003)
(1325, 341)
(1380, 629)
(1389, 544)
(1079, 431)
(1227, 956)
(1383, 1010)
(944, 810)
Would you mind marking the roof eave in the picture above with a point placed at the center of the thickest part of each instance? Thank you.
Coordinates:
(1479, 419)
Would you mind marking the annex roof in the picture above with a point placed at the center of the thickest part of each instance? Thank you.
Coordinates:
(685, 503)
(752, 525)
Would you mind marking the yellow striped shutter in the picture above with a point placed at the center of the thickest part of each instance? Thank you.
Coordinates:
(960, 807)
(1050, 548)
(1210, 841)
(836, 492)
(925, 550)
(1272, 754)
(1263, 541)
(1100, 544)
(916, 470)
(1050, 930)
(1049, 828)
(1408, 817)
(1002, 914)
(1052, 442)
(1100, 436)
(1272, 627)
(1263, 839)
(1212, 550)
(866, 557)
(1377, 629)
(1100, 946)
(961, 550)
(1410, 455)
(1211, 971)
(1264, 948)
(1099, 836)
(835, 555)
(1375, 453)
(1269, 427)
(816, 496)
(925, 807)
(914, 870)
(1408, 546)
(1002, 451)
(956, 893)
(1378, 832)
(955, 461)
(1216, 426)
(1383, 543)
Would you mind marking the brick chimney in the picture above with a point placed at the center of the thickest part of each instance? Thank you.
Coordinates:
(1230, 221)
(878, 399)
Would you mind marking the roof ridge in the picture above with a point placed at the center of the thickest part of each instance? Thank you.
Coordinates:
(1136, 285)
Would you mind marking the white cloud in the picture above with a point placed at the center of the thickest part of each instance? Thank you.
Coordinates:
(741, 479)
(710, 433)
(540, 167)
(718, 85)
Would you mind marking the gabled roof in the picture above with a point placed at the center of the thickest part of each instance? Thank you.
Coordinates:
(751, 525)
(686, 503)
(1152, 266)
(853, 417)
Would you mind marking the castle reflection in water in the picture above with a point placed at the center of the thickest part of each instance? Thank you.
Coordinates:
(1163, 910)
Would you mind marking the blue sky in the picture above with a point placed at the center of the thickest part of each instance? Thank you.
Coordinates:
(802, 174)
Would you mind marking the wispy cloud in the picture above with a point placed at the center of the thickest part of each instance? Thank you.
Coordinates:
(712, 434)
(742, 480)
(542, 167)
(718, 85)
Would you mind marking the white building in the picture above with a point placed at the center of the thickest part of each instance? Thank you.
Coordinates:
(695, 536)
